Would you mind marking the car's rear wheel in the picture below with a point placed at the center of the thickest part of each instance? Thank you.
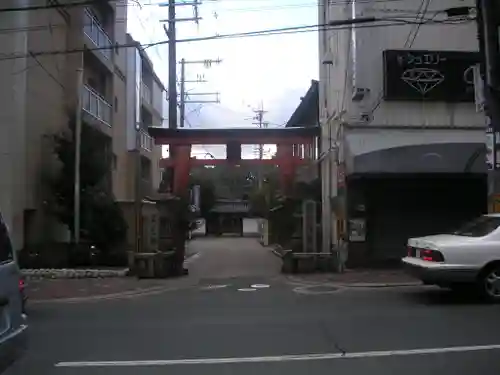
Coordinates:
(489, 283)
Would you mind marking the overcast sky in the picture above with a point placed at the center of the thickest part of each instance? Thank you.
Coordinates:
(273, 70)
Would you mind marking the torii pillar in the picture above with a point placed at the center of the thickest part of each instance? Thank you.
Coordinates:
(181, 169)
(286, 162)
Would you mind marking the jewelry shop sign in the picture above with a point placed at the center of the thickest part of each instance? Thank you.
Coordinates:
(440, 76)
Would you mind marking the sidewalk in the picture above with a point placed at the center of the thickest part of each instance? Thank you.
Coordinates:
(60, 289)
(359, 278)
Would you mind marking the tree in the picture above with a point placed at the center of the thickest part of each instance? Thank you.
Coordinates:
(102, 221)
(264, 199)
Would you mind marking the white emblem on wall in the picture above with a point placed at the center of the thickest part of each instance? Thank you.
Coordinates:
(422, 79)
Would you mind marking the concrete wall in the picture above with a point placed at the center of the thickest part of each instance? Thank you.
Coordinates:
(132, 98)
(13, 119)
(359, 64)
(120, 172)
(157, 99)
(37, 96)
(368, 59)
(352, 57)
(134, 80)
(120, 104)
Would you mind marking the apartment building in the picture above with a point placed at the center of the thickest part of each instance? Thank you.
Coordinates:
(145, 101)
(146, 96)
(402, 141)
(40, 93)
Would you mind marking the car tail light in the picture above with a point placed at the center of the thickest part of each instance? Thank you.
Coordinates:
(411, 251)
(21, 285)
(431, 255)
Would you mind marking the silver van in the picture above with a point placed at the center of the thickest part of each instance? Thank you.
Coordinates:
(13, 326)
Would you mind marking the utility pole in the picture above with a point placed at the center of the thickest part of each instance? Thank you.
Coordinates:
(488, 20)
(259, 121)
(183, 94)
(172, 71)
(182, 105)
(178, 233)
(78, 152)
(170, 30)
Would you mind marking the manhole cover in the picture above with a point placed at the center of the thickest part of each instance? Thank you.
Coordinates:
(247, 290)
(260, 286)
(316, 289)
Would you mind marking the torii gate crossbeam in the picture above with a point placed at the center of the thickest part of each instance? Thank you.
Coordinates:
(286, 140)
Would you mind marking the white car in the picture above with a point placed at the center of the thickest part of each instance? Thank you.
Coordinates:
(468, 257)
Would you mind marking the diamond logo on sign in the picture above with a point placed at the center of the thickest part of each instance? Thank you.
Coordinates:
(422, 79)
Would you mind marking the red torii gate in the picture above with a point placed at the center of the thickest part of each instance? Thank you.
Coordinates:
(287, 141)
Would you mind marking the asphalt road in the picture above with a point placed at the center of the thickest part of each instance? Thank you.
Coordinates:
(215, 328)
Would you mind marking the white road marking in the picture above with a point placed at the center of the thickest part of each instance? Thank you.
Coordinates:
(260, 286)
(280, 358)
(212, 287)
(247, 290)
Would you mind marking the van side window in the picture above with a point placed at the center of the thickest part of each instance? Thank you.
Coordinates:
(6, 253)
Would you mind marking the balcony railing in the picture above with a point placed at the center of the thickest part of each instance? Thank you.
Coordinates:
(146, 93)
(146, 140)
(96, 33)
(95, 105)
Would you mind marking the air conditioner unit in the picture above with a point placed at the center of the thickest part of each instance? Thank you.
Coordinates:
(327, 58)
(366, 118)
(361, 119)
(359, 93)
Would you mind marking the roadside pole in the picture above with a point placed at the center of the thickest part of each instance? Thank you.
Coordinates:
(78, 147)
(488, 20)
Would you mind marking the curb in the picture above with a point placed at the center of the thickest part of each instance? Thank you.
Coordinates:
(337, 284)
(375, 285)
(365, 285)
(120, 295)
(72, 273)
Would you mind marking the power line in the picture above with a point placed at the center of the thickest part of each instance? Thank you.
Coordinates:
(419, 16)
(331, 2)
(53, 6)
(419, 12)
(417, 28)
(287, 7)
(292, 6)
(422, 11)
(124, 20)
(39, 63)
(207, 63)
(387, 22)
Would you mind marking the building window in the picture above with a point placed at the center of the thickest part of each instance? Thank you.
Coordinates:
(116, 104)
